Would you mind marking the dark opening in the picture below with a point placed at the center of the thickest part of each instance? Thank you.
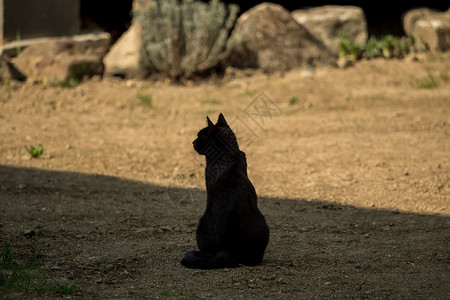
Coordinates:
(110, 16)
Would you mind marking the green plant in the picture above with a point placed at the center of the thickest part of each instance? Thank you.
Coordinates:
(415, 44)
(356, 51)
(349, 49)
(388, 44)
(145, 98)
(209, 101)
(25, 276)
(168, 293)
(293, 100)
(115, 271)
(428, 82)
(372, 48)
(209, 111)
(401, 48)
(35, 151)
(375, 97)
(185, 38)
(70, 84)
(65, 289)
(18, 47)
(250, 93)
(20, 276)
(5, 255)
(344, 47)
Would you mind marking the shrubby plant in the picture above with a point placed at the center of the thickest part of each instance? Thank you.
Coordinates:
(35, 151)
(387, 46)
(372, 48)
(388, 43)
(427, 83)
(184, 38)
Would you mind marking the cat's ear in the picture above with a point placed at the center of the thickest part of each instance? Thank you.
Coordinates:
(210, 124)
(221, 121)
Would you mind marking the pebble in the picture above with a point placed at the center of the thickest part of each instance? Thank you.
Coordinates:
(29, 232)
(130, 83)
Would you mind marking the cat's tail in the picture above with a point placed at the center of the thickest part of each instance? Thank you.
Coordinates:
(201, 260)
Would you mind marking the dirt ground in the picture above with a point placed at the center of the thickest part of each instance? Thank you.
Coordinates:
(351, 167)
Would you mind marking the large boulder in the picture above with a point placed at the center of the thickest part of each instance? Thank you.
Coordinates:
(123, 58)
(267, 37)
(63, 59)
(411, 17)
(433, 28)
(330, 22)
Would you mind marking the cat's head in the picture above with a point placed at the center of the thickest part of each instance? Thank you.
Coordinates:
(216, 139)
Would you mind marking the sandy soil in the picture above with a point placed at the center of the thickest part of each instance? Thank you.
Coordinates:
(351, 167)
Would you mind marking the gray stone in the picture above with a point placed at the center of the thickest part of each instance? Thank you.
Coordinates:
(328, 23)
(267, 37)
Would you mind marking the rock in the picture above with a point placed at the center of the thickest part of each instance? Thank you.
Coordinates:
(411, 17)
(434, 31)
(329, 22)
(63, 59)
(8, 72)
(99, 42)
(267, 37)
(142, 5)
(123, 58)
(124, 54)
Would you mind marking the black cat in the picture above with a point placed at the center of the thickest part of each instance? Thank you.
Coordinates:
(232, 231)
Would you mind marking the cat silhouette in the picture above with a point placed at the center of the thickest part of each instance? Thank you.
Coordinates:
(232, 230)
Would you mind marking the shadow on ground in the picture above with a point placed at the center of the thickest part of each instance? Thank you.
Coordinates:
(115, 238)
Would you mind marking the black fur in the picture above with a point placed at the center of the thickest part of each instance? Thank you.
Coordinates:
(232, 231)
